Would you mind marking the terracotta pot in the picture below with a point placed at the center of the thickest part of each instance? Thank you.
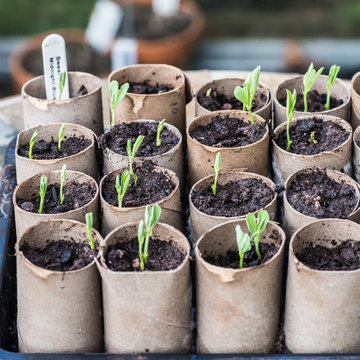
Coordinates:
(355, 100)
(146, 311)
(322, 306)
(338, 91)
(84, 161)
(201, 158)
(113, 216)
(201, 222)
(29, 189)
(238, 310)
(356, 157)
(58, 311)
(286, 163)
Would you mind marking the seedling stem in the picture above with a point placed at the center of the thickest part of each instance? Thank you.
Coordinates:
(43, 187)
(61, 136)
(158, 133)
(333, 73)
(217, 169)
(89, 225)
(122, 186)
(32, 143)
(116, 95)
(62, 181)
(131, 151)
(290, 108)
(256, 227)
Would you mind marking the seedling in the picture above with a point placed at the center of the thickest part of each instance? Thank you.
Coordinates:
(141, 239)
(116, 95)
(333, 73)
(256, 227)
(89, 225)
(62, 83)
(122, 186)
(290, 108)
(312, 137)
(43, 187)
(208, 93)
(217, 169)
(246, 93)
(158, 133)
(61, 136)
(309, 80)
(62, 181)
(243, 242)
(131, 153)
(32, 143)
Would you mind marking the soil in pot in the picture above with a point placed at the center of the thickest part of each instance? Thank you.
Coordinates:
(228, 132)
(152, 186)
(327, 134)
(320, 196)
(315, 102)
(116, 138)
(235, 198)
(145, 88)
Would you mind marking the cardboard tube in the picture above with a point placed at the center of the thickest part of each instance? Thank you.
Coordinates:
(201, 222)
(84, 161)
(355, 100)
(201, 158)
(146, 311)
(294, 220)
(286, 163)
(113, 216)
(338, 91)
(322, 307)
(169, 105)
(238, 310)
(29, 189)
(58, 311)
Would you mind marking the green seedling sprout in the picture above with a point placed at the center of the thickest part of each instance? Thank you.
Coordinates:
(61, 136)
(116, 95)
(312, 137)
(62, 83)
(62, 181)
(141, 240)
(32, 143)
(256, 227)
(159, 130)
(243, 242)
(309, 80)
(122, 186)
(246, 93)
(333, 73)
(217, 169)
(290, 108)
(208, 93)
(131, 151)
(43, 187)
(89, 225)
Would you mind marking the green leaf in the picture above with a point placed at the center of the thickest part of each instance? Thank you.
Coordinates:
(122, 92)
(243, 241)
(137, 145)
(141, 233)
(63, 173)
(242, 95)
(89, 221)
(290, 103)
(310, 78)
(263, 219)
(208, 92)
(254, 80)
(333, 73)
(125, 181)
(147, 216)
(251, 222)
(128, 147)
(155, 214)
(218, 162)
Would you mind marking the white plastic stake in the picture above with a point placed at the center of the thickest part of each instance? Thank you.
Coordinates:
(54, 61)
(103, 25)
(124, 53)
(165, 7)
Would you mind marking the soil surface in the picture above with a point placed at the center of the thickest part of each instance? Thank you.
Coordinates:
(217, 101)
(344, 256)
(151, 187)
(47, 150)
(116, 138)
(327, 135)
(319, 196)
(315, 101)
(145, 88)
(163, 255)
(60, 255)
(228, 132)
(75, 194)
(236, 198)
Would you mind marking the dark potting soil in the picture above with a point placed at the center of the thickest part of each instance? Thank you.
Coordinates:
(116, 138)
(163, 256)
(228, 132)
(75, 194)
(236, 198)
(328, 135)
(343, 256)
(319, 196)
(46, 150)
(231, 259)
(217, 101)
(62, 255)
(145, 88)
(315, 101)
(151, 187)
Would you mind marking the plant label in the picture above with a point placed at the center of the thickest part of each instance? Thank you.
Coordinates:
(124, 53)
(54, 61)
(165, 7)
(103, 25)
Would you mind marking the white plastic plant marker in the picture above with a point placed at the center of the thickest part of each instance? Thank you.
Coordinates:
(103, 25)
(124, 53)
(165, 7)
(54, 61)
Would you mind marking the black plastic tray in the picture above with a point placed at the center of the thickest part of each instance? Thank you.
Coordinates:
(8, 331)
